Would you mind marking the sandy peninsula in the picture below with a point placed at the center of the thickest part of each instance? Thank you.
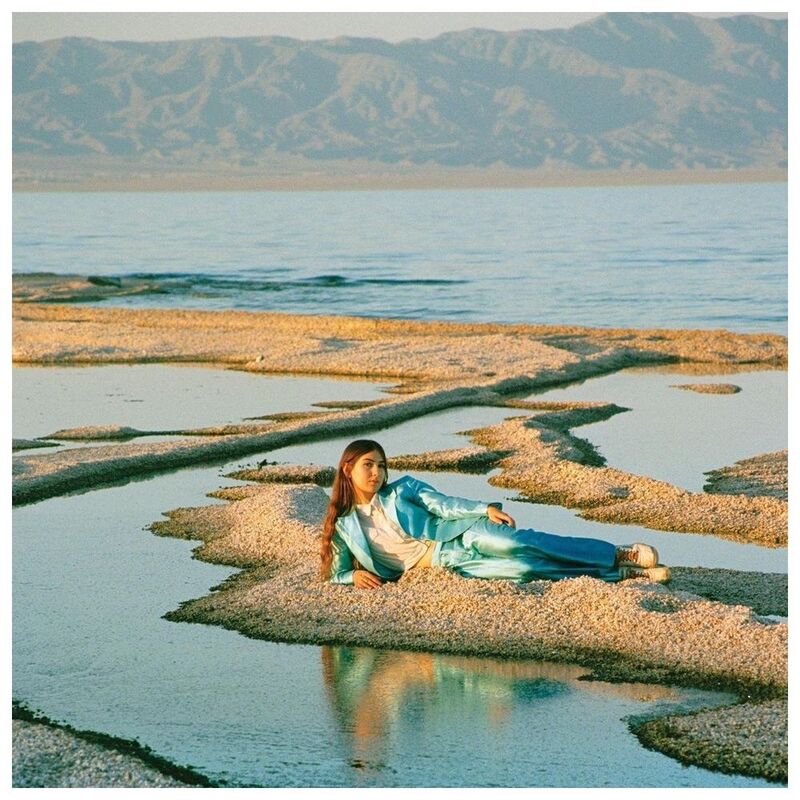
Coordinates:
(704, 629)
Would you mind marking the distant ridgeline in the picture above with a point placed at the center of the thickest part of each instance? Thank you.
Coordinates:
(653, 91)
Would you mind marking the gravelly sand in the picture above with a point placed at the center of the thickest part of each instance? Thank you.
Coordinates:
(766, 475)
(764, 593)
(38, 476)
(709, 388)
(30, 444)
(274, 529)
(362, 346)
(99, 432)
(462, 459)
(549, 465)
(738, 739)
(49, 756)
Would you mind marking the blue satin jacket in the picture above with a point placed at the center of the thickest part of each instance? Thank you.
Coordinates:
(418, 509)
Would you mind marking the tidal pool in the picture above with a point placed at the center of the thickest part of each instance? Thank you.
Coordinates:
(90, 648)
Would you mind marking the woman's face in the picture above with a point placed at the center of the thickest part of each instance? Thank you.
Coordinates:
(367, 474)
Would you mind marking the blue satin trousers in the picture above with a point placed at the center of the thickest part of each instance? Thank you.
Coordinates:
(488, 550)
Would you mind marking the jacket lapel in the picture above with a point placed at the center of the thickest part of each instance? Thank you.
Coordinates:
(356, 540)
(387, 503)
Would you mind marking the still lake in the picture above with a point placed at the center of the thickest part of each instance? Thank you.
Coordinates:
(698, 256)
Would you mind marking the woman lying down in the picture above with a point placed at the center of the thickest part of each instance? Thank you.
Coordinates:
(375, 531)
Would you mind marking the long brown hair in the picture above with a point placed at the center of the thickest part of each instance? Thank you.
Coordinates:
(343, 497)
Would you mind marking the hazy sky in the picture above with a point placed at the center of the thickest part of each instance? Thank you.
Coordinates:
(313, 25)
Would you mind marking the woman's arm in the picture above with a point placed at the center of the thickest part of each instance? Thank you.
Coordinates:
(341, 561)
(446, 506)
(343, 569)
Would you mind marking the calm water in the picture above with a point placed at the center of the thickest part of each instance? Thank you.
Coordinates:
(706, 256)
(676, 435)
(154, 397)
(91, 648)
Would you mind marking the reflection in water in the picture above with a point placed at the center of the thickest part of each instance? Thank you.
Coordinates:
(374, 692)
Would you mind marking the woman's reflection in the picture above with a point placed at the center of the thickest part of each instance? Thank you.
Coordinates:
(373, 691)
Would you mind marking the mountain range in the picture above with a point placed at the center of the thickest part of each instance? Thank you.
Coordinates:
(622, 91)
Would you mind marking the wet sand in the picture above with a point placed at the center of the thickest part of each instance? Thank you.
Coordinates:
(709, 388)
(765, 475)
(549, 465)
(44, 756)
(31, 444)
(678, 634)
(740, 739)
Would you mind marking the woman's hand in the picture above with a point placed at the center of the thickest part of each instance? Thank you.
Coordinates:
(500, 517)
(363, 579)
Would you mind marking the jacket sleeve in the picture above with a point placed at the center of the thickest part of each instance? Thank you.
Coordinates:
(341, 561)
(447, 507)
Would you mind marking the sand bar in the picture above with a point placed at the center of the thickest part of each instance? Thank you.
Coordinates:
(272, 530)
(360, 346)
(440, 365)
(709, 388)
(549, 465)
(738, 739)
(764, 475)
(31, 444)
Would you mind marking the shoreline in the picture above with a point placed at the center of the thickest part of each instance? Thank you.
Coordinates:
(87, 758)
(73, 333)
(155, 178)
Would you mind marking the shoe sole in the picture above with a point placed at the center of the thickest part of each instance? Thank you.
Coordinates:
(657, 574)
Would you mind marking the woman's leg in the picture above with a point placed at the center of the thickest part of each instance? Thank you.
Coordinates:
(488, 550)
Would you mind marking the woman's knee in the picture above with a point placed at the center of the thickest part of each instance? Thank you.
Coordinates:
(491, 538)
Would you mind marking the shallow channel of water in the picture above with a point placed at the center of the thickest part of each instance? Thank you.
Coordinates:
(90, 648)
(676, 435)
(152, 397)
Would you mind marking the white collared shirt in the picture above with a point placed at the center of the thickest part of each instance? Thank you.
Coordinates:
(390, 545)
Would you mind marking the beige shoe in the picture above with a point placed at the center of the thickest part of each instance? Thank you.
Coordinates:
(637, 555)
(656, 574)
